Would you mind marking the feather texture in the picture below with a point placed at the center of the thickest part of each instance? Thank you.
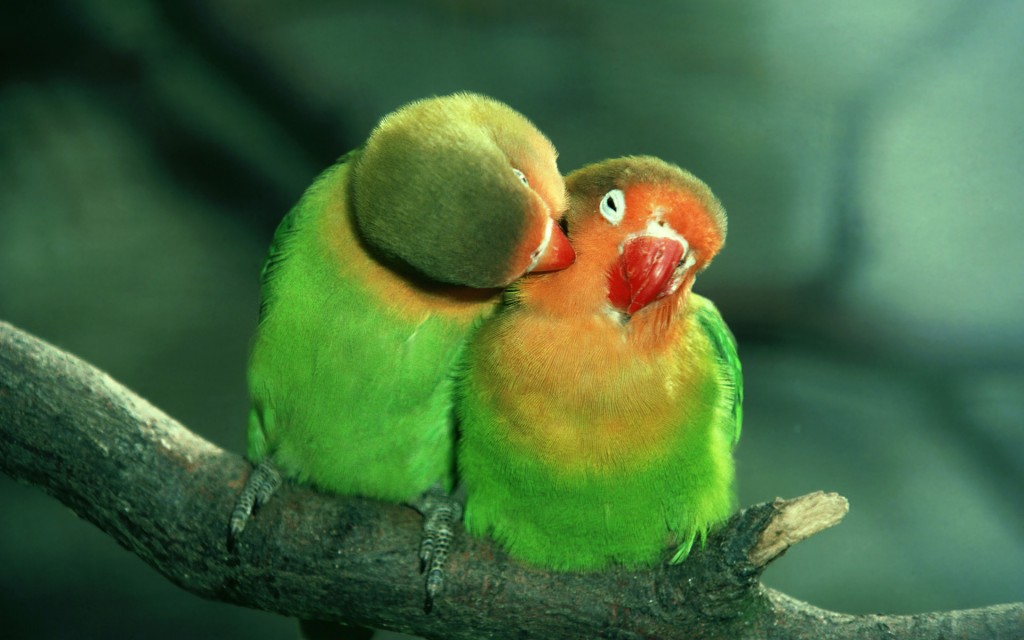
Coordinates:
(588, 437)
(367, 293)
(350, 372)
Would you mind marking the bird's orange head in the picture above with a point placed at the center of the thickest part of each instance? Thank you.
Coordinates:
(648, 226)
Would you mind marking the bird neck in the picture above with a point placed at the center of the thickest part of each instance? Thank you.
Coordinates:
(572, 298)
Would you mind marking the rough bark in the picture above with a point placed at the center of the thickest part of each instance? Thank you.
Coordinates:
(166, 494)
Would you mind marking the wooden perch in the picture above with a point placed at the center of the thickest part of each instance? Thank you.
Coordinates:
(166, 494)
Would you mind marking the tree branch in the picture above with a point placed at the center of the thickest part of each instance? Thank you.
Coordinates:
(166, 494)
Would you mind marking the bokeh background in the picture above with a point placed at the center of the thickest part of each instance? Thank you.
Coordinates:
(869, 154)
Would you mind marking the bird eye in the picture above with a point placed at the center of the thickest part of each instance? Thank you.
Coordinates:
(613, 206)
(521, 176)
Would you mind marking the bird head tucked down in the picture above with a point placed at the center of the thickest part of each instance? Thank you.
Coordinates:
(646, 226)
(463, 189)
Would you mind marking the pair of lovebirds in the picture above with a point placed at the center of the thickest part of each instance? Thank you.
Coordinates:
(590, 410)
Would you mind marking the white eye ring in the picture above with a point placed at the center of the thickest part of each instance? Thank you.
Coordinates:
(521, 176)
(613, 206)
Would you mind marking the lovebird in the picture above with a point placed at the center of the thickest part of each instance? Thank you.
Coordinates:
(373, 281)
(600, 407)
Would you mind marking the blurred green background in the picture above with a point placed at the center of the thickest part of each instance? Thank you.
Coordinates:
(869, 154)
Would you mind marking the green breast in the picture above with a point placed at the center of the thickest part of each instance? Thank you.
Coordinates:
(347, 394)
(631, 513)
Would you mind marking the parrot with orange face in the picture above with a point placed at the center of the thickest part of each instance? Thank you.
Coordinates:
(372, 283)
(600, 407)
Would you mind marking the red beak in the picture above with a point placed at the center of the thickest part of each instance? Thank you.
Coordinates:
(557, 254)
(643, 272)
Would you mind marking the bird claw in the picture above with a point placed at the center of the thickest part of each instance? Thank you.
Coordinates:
(261, 485)
(440, 512)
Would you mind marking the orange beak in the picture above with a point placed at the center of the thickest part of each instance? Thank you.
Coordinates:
(645, 271)
(554, 253)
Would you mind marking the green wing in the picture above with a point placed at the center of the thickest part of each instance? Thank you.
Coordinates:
(724, 344)
(283, 235)
(275, 256)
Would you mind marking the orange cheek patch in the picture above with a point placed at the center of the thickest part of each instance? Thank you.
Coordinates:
(532, 237)
(683, 211)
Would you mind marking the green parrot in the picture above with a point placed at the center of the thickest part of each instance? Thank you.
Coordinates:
(373, 281)
(600, 406)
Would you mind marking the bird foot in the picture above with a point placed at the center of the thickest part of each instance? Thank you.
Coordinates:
(262, 483)
(440, 512)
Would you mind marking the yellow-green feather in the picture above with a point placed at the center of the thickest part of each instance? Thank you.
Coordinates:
(635, 509)
(351, 391)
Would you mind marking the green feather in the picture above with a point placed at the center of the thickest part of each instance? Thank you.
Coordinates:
(280, 244)
(347, 394)
(588, 437)
(731, 373)
(350, 372)
(586, 519)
